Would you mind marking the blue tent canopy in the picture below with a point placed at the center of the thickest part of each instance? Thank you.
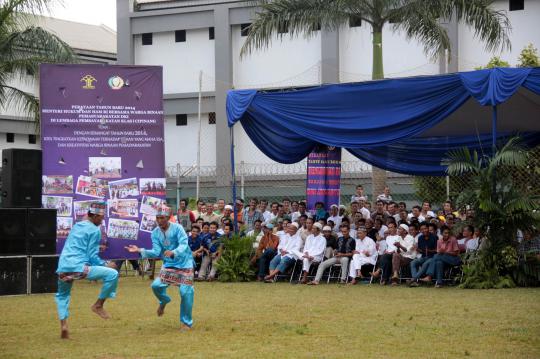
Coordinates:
(404, 125)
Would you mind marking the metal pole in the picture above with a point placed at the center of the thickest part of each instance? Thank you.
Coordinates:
(494, 129)
(447, 188)
(242, 180)
(233, 181)
(199, 138)
(177, 185)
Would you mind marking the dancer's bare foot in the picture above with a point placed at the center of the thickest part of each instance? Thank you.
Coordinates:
(64, 331)
(100, 311)
(161, 310)
(185, 327)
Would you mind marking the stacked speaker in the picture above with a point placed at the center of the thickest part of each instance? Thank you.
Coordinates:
(27, 232)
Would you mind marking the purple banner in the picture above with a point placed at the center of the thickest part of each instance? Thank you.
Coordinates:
(102, 138)
(323, 177)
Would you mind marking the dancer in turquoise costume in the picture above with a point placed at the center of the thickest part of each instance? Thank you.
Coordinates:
(79, 260)
(170, 242)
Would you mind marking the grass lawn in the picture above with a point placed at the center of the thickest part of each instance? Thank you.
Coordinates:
(252, 320)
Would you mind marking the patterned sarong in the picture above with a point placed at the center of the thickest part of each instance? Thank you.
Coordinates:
(71, 276)
(175, 276)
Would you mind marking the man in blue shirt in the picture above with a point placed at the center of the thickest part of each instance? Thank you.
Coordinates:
(426, 249)
(79, 260)
(213, 245)
(170, 243)
(195, 244)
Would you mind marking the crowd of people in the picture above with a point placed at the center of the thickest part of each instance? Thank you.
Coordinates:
(386, 243)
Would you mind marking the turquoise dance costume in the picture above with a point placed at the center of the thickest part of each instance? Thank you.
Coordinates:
(79, 260)
(177, 270)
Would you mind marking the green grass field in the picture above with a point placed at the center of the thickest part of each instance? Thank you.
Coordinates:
(255, 320)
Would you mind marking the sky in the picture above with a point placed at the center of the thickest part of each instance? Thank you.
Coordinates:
(93, 12)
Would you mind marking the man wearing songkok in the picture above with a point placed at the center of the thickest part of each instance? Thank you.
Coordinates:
(364, 256)
(79, 260)
(405, 252)
(313, 250)
(170, 243)
(288, 252)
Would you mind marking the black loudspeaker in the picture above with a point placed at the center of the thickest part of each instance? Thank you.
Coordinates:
(41, 231)
(21, 178)
(44, 279)
(13, 231)
(13, 276)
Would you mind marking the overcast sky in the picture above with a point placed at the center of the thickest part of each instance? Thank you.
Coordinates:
(94, 12)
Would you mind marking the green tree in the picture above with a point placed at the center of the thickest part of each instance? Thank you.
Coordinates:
(494, 62)
(23, 47)
(529, 57)
(501, 207)
(417, 19)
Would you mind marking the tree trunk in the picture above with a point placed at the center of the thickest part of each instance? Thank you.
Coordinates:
(378, 176)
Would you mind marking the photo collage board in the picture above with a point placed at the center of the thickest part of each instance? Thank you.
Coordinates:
(117, 158)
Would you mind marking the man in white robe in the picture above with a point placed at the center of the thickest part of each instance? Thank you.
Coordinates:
(364, 255)
(313, 250)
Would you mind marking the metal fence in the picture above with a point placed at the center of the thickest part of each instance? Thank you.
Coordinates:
(274, 181)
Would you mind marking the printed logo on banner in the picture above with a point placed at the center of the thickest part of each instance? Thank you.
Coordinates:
(88, 82)
(116, 82)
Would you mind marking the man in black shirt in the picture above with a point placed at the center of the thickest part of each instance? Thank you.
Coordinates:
(426, 247)
(345, 246)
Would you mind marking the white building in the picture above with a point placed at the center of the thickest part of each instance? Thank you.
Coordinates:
(201, 36)
(92, 44)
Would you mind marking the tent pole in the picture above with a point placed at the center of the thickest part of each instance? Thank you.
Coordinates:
(494, 129)
(233, 171)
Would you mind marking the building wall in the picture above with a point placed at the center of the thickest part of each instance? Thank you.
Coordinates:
(181, 61)
(181, 142)
(525, 29)
(286, 62)
(401, 57)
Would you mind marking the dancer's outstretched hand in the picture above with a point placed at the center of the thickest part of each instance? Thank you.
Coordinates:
(132, 248)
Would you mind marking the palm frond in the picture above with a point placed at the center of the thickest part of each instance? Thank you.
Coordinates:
(20, 100)
(423, 25)
(491, 26)
(512, 154)
(296, 17)
(461, 161)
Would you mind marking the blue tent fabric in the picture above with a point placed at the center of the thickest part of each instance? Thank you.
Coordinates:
(378, 121)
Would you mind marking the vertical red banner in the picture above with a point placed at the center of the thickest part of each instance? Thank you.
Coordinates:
(323, 176)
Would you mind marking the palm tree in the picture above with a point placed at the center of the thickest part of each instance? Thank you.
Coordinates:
(501, 206)
(417, 19)
(23, 47)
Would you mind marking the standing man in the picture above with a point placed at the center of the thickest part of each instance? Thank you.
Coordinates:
(79, 260)
(184, 216)
(170, 243)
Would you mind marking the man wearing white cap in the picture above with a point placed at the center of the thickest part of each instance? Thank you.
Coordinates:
(335, 217)
(313, 250)
(405, 252)
(170, 243)
(288, 252)
(364, 256)
(80, 260)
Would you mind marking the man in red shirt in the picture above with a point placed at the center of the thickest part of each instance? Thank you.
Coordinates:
(447, 255)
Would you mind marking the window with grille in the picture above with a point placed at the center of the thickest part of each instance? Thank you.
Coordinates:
(211, 33)
(212, 118)
(355, 21)
(181, 119)
(32, 139)
(147, 38)
(180, 36)
(244, 30)
(517, 5)
(10, 137)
